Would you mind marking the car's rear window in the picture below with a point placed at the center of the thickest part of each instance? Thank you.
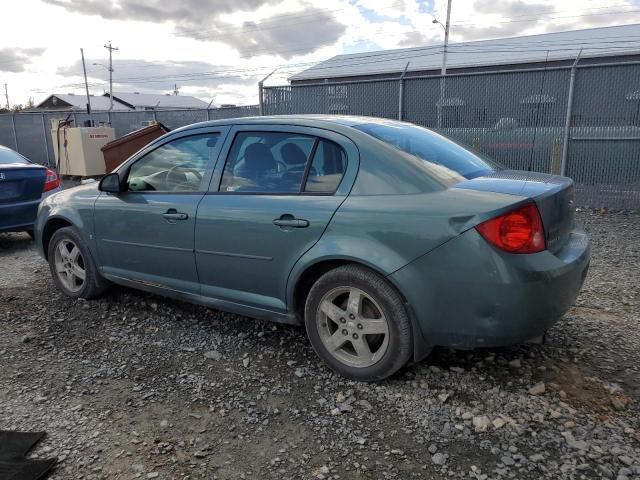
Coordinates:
(9, 156)
(429, 146)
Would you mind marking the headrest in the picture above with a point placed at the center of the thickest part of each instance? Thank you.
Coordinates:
(292, 154)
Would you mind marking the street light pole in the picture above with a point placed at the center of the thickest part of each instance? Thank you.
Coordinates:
(443, 70)
(447, 25)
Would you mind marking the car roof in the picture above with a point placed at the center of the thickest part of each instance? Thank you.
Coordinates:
(299, 120)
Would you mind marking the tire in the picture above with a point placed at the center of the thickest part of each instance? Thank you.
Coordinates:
(68, 239)
(350, 339)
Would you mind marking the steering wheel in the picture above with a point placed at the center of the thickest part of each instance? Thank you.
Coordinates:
(178, 182)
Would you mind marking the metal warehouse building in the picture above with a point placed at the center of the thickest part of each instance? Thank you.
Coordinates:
(598, 45)
(475, 98)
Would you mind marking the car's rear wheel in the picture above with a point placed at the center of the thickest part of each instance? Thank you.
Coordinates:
(358, 324)
(72, 267)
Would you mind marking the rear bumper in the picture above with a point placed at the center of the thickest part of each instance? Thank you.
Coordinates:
(467, 294)
(21, 216)
(16, 217)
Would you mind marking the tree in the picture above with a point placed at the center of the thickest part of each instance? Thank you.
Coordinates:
(19, 107)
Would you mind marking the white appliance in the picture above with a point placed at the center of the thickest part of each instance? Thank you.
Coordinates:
(77, 149)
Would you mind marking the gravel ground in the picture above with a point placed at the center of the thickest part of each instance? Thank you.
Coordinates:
(137, 386)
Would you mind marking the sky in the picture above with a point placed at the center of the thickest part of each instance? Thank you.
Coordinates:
(218, 50)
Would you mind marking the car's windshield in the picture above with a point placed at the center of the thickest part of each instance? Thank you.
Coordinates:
(9, 156)
(429, 146)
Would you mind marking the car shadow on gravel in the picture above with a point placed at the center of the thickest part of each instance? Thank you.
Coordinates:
(15, 242)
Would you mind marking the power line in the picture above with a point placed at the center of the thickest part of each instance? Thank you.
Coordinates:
(222, 73)
(455, 48)
(537, 18)
(330, 42)
(573, 44)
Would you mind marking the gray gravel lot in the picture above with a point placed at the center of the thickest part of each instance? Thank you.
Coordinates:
(137, 386)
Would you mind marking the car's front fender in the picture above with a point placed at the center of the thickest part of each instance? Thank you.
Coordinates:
(68, 207)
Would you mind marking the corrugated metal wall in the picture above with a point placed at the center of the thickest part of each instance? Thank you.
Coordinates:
(516, 117)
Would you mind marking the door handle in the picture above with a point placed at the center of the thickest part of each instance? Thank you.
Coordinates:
(172, 215)
(290, 221)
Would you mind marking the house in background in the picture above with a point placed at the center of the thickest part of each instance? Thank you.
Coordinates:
(156, 101)
(121, 102)
(78, 103)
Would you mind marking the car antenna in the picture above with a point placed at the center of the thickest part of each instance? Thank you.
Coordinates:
(535, 124)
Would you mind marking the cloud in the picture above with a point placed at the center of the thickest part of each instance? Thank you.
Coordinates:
(190, 11)
(292, 34)
(142, 75)
(15, 59)
(510, 9)
(416, 39)
(280, 35)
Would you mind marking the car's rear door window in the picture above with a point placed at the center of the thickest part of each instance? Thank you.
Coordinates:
(327, 168)
(267, 162)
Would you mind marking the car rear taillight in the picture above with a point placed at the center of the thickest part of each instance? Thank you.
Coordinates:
(51, 181)
(517, 231)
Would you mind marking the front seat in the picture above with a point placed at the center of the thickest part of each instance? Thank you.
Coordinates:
(296, 160)
(293, 156)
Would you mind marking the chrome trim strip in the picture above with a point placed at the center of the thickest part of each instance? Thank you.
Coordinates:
(236, 255)
(145, 245)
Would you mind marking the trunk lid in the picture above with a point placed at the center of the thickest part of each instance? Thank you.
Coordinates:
(21, 182)
(552, 194)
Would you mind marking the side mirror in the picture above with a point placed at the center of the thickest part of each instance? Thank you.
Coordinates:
(110, 183)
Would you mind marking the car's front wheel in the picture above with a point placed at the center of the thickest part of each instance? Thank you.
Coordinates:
(72, 267)
(358, 324)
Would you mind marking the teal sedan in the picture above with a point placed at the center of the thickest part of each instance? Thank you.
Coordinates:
(383, 238)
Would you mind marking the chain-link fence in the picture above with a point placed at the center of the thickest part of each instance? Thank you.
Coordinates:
(581, 121)
(30, 133)
(517, 117)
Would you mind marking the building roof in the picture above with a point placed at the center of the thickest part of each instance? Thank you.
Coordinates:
(594, 42)
(141, 101)
(69, 101)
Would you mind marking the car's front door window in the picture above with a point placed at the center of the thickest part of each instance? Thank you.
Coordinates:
(177, 166)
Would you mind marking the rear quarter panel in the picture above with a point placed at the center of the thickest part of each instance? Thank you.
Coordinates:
(386, 232)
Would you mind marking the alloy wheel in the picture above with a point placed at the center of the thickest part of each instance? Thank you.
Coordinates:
(352, 327)
(70, 267)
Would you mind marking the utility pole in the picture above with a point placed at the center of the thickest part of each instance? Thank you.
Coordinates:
(175, 89)
(443, 71)
(86, 85)
(6, 95)
(111, 49)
